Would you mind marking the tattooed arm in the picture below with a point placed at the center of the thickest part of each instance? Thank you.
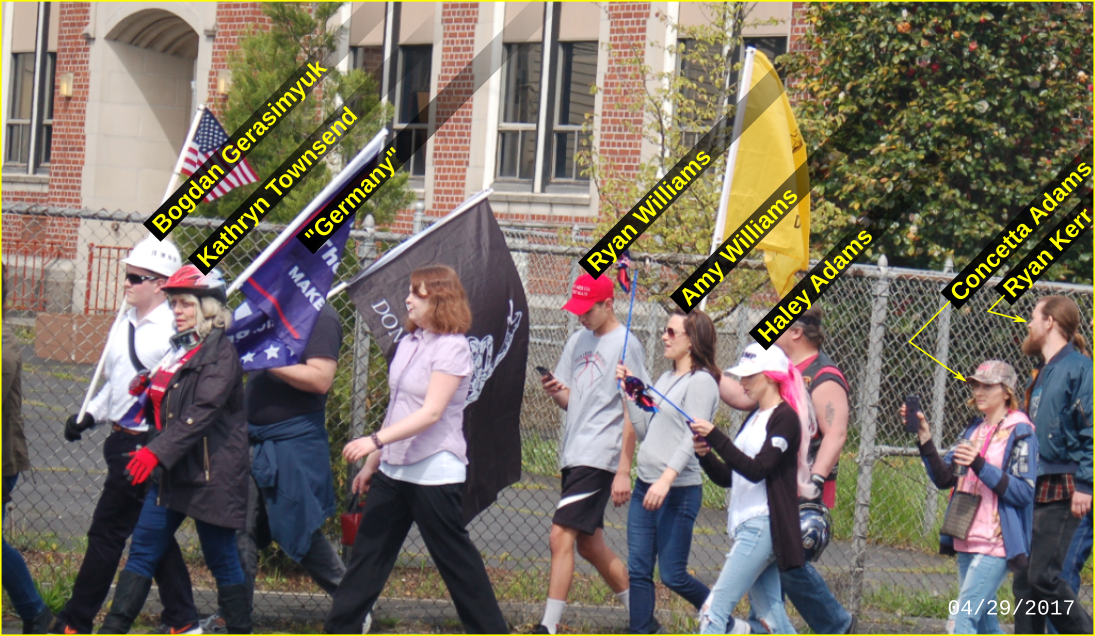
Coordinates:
(831, 406)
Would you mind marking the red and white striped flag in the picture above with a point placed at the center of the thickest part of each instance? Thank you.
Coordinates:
(208, 139)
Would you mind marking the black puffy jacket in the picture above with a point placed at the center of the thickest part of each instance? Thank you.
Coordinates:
(203, 447)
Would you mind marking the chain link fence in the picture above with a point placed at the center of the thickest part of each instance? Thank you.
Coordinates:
(883, 563)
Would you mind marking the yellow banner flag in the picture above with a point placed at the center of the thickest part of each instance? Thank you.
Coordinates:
(769, 152)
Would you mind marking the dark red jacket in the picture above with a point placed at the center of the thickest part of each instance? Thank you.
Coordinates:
(778, 469)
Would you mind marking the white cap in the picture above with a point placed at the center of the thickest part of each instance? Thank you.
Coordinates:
(756, 359)
(161, 257)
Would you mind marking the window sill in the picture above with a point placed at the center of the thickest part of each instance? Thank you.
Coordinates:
(552, 198)
(30, 179)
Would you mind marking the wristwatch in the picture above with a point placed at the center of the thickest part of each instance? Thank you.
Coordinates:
(818, 481)
(376, 440)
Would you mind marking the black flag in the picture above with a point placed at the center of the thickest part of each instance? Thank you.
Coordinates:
(469, 241)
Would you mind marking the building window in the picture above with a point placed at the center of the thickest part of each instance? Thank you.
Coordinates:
(369, 59)
(412, 104)
(577, 74)
(706, 93)
(520, 111)
(22, 118)
(772, 46)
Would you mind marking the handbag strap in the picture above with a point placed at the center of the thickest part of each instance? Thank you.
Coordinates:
(133, 359)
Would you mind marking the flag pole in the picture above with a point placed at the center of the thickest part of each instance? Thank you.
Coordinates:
(172, 183)
(627, 330)
(732, 155)
(463, 207)
(367, 154)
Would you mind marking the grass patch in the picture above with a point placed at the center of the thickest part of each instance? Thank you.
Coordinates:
(539, 456)
(900, 601)
(898, 491)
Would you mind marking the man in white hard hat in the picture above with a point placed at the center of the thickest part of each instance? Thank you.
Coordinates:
(136, 345)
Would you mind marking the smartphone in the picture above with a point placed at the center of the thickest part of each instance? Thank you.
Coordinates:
(912, 407)
(544, 373)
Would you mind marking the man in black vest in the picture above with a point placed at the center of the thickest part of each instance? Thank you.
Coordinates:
(829, 395)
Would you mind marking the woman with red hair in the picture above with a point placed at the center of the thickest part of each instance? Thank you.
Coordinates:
(765, 467)
(417, 464)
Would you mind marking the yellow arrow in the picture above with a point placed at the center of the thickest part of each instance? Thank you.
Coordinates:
(956, 374)
(990, 310)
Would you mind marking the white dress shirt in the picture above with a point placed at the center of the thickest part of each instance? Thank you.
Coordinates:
(152, 342)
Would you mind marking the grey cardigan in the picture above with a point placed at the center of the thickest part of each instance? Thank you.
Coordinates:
(666, 439)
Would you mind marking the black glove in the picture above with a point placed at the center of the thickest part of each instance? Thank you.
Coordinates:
(73, 430)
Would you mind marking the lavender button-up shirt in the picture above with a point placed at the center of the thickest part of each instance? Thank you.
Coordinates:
(418, 356)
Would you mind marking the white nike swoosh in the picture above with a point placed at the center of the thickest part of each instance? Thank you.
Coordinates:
(566, 501)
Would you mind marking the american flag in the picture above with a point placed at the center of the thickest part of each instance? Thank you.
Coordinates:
(208, 139)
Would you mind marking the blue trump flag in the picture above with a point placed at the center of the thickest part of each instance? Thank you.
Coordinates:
(283, 298)
(285, 293)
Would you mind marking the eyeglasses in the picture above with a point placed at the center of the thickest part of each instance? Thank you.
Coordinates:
(137, 279)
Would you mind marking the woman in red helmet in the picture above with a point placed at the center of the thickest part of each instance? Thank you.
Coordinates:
(197, 455)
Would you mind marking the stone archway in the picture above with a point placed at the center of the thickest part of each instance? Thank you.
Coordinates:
(144, 107)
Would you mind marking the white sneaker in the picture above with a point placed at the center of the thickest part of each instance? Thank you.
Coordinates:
(741, 627)
(214, 624)
(193, 628)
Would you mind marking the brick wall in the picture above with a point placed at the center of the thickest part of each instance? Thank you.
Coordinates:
(39, 235)
(67, 154)
(233, 20)
(800, 41)
(451, 144)
(67, 149)
(620, 141)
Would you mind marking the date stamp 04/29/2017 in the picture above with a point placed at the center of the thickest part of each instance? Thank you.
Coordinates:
(1004, 608)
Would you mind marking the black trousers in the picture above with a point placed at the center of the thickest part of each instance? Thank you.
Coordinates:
(113, 522)
(1054, 526)
(390, 509)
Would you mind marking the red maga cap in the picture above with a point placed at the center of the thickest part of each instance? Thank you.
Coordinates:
(588, 291)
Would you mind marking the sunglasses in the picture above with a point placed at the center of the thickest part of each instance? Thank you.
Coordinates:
(137, 279)
(672, 333)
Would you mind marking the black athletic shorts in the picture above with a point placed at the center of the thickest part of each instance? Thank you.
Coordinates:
(586, 492)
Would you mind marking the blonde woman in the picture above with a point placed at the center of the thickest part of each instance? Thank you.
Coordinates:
(1000, 464)
(198, 450)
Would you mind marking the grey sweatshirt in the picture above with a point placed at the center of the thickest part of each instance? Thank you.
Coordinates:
(666, 439)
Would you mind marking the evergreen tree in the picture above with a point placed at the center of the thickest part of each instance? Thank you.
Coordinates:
(266, 57)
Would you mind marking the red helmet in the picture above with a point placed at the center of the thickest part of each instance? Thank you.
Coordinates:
(189, 280)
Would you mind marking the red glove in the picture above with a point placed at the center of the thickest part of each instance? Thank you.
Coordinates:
(141, 466)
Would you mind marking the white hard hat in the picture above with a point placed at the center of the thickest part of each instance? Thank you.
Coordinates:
(161, 257)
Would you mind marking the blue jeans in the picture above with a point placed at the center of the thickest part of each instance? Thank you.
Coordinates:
(158, 525)
(664, 535)
(18, 582)
(979, 577)
(814, 601)
(750, 568)
(1079, 551)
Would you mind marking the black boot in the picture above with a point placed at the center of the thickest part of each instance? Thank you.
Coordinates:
(39, 624)
(129, 598)
(235, 607)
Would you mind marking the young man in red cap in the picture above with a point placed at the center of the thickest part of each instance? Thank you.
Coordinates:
(594, 468)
